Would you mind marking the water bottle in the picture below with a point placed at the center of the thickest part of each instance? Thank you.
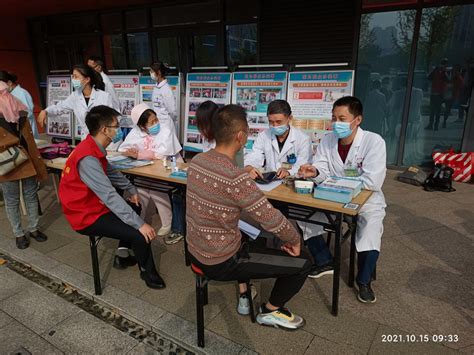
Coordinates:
(174, 168)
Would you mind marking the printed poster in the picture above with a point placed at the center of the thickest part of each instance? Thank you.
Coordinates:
(254, 91)
(312, 95)
(146, 92)
(126, 87)
(58, 89)
(202, 87)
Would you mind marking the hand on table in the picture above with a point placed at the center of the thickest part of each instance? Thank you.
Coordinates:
(307, 171)
(253, 172)
(282, 173)
(132, 153)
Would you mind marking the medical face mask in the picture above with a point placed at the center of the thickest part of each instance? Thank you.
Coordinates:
(76, 84)
(153, 76)
(279, 130)
(154, 130)
(118, 136)
(342, 129)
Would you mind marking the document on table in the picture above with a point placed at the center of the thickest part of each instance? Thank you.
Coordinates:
(248, 229)
(270, 186)
(121, 162)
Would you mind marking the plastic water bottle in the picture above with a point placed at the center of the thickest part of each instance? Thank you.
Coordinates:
(174, 168)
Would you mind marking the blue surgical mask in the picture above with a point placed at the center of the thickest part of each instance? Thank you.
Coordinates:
(279, 130)
(342, 129)
(76, 84)
(118, 136)
(154, 130)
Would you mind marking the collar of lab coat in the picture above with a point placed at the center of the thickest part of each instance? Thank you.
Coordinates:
(288, 143)
(352, 152)
(161, 83)
(91, 98)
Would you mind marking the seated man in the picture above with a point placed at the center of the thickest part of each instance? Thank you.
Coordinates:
(90, 201)
(280, 148)
(350, 151)
(218, 192)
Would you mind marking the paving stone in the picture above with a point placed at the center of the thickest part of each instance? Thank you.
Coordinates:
(5, 319)
(15, 336)
(11, 283)
(84, 333)
(324, 346)
(185, 331)
(37, 308)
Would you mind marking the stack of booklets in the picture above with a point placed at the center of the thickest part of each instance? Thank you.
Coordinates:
(338, 189)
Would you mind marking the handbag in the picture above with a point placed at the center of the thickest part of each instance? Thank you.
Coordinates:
(58, 150)
(440, 179)
(11, 158)
(413, 176)
(461, 163)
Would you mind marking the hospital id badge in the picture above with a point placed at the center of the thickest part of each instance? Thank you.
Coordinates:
(351, 172)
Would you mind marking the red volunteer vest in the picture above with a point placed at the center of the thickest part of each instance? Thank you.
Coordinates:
(81, 206)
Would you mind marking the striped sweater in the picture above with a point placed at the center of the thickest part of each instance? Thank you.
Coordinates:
(217, 193)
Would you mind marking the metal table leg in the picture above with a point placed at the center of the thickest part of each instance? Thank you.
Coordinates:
(352, 253)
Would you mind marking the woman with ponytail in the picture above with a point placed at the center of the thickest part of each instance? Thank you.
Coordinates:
(164, 101)
(88, 93)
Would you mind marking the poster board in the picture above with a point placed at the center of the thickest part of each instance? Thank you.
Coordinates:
(202, 87)
(146, 85)
(58, 89)
(254, 91)
(127, 89)
(312, 94)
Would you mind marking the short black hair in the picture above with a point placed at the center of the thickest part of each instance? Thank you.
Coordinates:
(353, 105)
(204, 114)
(143, 120)
(279, 106)
(97, 60)
(227, 121)
(99, 117)
(4, 76)
(12, 77)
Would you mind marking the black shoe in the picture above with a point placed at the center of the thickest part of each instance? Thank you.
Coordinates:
(152, 280)
(38, 236)
(22, 242)
(318, 271)
(366, 294)
(123, 263)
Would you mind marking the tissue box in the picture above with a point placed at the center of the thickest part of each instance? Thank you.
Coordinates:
(338, 189)
(303, 187)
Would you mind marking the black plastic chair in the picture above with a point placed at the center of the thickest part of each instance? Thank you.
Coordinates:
(94, 242)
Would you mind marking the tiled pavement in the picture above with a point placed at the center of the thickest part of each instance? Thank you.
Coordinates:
(425, 285)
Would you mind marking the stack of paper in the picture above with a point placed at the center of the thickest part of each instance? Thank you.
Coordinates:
(120, 162)
(338, 189)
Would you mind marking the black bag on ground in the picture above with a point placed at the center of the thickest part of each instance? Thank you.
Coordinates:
(440, 179)
(413, 176)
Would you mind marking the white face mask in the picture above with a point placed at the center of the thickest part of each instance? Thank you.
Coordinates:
(153, 76)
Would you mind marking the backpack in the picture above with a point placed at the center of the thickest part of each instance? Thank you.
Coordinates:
(440, 179)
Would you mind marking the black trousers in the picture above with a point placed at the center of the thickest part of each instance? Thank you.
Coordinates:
(256, 262)
(110, 226)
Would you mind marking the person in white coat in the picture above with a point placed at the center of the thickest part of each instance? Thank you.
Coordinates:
(88, 93)
(280, 148)
(151, 140)
(98, 65)
(351, 151)
(25, 97)
(163, 99)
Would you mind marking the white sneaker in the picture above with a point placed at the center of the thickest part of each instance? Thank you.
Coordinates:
(165, 230)
(280, 318)
(243, 307)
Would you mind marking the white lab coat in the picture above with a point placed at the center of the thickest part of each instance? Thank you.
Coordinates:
(368, 156)
(164, 104)
(164, 144)
(207, 145)
(76, 103)
(265, 149)
(109, 87)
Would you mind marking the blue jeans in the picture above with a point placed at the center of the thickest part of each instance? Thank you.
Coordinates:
(11, 195)
(177, 205)
(366, 260)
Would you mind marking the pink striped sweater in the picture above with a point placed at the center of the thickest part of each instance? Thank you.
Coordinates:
(217, 193)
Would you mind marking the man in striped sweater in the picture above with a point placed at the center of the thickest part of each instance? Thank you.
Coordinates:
(218, 191)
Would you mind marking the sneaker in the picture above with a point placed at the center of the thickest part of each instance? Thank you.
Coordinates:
(318, 271)
(366, 294)
(243, 307)
(38, 236)
(22, 242)
(164, 231)
(173, 238)
(123, 263)
(282, 317)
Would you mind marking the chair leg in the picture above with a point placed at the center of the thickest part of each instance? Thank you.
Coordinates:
(249, 297)
(205, 295)
(200, 311)
(328, 239)
(95, 265)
